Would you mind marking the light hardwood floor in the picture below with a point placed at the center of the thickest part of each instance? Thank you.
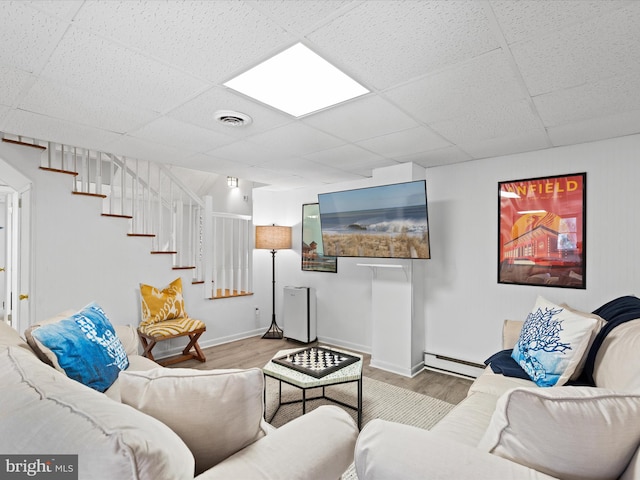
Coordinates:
(256, 352)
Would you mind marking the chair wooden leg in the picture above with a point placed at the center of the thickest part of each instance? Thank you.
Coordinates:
(193, 342)
(148, 346)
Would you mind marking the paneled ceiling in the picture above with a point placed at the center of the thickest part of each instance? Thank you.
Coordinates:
(451, 81)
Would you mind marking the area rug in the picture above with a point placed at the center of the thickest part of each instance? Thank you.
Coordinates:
(379, 400)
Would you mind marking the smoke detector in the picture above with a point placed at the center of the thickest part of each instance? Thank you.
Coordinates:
(232, 119)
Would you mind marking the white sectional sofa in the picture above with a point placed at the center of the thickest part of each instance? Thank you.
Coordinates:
(162, 424)
(510, 428)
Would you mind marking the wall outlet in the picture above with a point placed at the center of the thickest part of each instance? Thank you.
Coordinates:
(257, 312)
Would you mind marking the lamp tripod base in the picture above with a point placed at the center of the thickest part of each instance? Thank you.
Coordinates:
(274, 331)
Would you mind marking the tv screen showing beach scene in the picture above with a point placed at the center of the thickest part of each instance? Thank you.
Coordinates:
(388, 221)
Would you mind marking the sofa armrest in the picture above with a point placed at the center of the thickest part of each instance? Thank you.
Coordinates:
(510, 333)
(318, 445)
(385, 448)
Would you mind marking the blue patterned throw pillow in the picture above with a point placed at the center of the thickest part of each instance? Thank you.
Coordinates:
(552, 343)
(86, 347)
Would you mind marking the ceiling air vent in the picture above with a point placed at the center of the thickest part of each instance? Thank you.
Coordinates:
(232, 119)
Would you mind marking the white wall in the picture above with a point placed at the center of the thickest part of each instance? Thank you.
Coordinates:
(464, 305)
(343, 299)
(80, 256)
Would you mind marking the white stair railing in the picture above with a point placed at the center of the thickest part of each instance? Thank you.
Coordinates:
(216, 246)
(227, 260)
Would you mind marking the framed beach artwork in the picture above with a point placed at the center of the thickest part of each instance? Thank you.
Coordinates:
(542, 231)
(313, 258)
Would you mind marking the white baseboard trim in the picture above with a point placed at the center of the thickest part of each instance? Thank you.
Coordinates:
(452, 366)
(389, 367)
(346, 345)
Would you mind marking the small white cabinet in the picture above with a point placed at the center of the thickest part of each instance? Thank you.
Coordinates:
(299, 314)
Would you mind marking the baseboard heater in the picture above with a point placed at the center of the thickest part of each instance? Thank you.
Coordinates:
(453, 366)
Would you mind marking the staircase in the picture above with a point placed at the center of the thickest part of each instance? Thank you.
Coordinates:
(214, 246)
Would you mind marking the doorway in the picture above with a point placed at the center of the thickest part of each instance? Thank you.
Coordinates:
(15, 248)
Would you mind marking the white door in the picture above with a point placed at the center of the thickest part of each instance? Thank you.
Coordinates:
(15, 246)
(23, 257)
(5, 233)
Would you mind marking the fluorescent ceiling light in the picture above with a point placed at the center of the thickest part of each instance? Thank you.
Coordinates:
(297, 81)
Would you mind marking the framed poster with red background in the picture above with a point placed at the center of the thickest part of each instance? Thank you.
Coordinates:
(541, 231)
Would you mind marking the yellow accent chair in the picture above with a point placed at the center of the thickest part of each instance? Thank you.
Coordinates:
(163, 318)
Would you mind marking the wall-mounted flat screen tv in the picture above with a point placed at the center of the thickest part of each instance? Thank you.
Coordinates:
(388, 221)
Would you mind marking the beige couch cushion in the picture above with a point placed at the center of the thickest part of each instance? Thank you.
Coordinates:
(496, 384)
(316, 446)
(215, 412)
(617, 364)
(10, 337)
(468, 421)
(42, 411)
(573, 433)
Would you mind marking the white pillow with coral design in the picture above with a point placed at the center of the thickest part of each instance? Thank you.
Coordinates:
(552, 342)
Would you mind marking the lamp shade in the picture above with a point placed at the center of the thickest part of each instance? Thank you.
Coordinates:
(272, 237)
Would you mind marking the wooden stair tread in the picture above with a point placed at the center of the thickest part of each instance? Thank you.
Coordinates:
(24, 144)
(88, 194)
(115, 215)
(229, 294)
(58, 170)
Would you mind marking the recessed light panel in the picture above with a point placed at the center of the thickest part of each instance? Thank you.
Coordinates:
(297, 81)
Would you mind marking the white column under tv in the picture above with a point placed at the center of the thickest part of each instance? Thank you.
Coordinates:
(397, 312)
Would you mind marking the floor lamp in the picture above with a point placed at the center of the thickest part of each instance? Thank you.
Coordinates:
(272, 237)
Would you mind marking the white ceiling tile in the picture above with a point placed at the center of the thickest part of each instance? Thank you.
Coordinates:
(103, 68)
(245, 153)
(468, 88)
(55, 100)
(508, 144)
(28, 124)
(389, 42)
(13, 82)
(533, 18)
(414, 140)
(591, 100)
(200, 111)
(434, 158)
(27, 36)
(210, 163)
(299, 17)
(63, 9)
(298, 166)
(214, 33)
(142, 149)
(445, 90)
(583, 52)
(616, 125)
(347, 157)
(295, 139)
(174, 133)
(515, 118)
(366, 117)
